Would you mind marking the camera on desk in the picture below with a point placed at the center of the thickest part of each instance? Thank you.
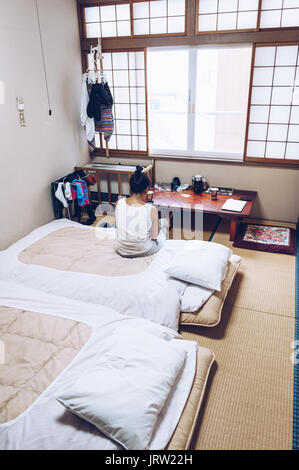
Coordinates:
(177, 186)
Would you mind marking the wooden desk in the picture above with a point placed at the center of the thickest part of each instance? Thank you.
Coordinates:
(203, 202)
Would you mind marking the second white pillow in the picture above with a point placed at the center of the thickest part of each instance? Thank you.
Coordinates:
(125, 392)
(201, 263)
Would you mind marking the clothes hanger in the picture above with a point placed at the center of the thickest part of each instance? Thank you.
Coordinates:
(97, 76)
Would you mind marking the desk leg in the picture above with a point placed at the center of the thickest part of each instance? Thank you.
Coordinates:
(233, 230)
(99, 187)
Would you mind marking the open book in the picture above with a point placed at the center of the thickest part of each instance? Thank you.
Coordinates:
(233, 205)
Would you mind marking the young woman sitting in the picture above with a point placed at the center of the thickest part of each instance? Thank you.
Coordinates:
(139, 231)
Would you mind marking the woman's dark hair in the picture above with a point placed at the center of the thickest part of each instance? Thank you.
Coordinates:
(139, 181)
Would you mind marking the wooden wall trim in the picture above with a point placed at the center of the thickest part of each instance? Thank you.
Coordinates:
(257, 37)
(191, 17)
(172, 158)
(191, 38)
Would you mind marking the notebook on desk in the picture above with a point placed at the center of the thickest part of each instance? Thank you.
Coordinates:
(233, 205)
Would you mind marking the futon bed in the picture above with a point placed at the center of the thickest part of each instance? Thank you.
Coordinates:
(67, 259)
(48, 342)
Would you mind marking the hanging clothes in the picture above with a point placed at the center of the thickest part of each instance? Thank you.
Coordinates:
(106, 124)
(92, 145)
(68, 191)
(80, 192)
(100, 95)
(60, 195)
(100, 107)
(86, 122)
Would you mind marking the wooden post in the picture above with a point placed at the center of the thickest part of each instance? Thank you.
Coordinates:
(109, 187)
(99, 188)
(102, 71)
(119, 185)
(233, 230)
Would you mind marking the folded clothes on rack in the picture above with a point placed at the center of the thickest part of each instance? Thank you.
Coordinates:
(74, 186)
(80, 192)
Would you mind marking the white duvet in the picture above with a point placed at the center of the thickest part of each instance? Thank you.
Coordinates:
(152, 294)
(46, 425)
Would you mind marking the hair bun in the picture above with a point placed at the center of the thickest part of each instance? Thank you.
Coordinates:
(139, 170)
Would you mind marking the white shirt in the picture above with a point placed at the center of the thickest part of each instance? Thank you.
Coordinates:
(86, 121)
(133, 224)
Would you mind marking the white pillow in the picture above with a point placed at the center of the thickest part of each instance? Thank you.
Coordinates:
(124, 393)
(194, 297)
(202, 263)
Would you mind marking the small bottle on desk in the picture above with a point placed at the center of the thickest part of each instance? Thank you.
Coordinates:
(214, 193)
(150, 195)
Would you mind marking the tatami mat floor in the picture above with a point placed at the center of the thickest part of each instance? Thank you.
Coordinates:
(249, 399)
(249, 404)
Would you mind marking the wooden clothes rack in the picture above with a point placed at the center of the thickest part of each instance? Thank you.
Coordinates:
(107, 170)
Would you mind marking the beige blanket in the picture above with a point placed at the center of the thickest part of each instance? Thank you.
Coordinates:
(75, 249)
(37, 348)
(82, 251)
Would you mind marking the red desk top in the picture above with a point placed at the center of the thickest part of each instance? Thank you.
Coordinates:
(203, 202)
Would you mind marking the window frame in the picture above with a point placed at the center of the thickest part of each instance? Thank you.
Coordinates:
(191, 118)
(190, 38)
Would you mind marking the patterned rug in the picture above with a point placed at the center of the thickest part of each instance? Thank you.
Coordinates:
(269, 238)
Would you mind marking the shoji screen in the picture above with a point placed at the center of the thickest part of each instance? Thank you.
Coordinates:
(135, 18)
(107, 21)
(126, 76)
(159, 17)
(279, 13)
(227, 15)
(273, 119)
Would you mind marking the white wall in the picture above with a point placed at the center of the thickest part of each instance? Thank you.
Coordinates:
(50, 146)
